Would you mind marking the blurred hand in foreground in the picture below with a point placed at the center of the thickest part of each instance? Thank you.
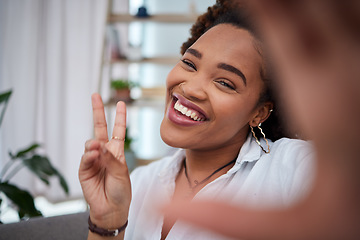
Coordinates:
(315, 46)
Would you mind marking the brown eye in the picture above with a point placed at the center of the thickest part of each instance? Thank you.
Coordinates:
(226, 84)
(188, 63)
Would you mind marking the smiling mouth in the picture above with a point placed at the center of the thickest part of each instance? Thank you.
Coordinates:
(188, 112)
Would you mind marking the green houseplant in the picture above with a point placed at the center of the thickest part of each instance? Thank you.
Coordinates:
(21, 200)
(129, 153)
(121, 90)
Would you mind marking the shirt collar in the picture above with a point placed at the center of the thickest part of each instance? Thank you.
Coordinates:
(249, 152)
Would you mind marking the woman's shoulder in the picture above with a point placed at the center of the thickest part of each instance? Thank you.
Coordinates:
(291, 145)
(295, 149)
(295, 164)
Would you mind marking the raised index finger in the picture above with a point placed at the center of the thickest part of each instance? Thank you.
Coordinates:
(118, 136)
(120, 121)
(100, 126)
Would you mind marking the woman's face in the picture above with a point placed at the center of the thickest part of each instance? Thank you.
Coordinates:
(212, 93)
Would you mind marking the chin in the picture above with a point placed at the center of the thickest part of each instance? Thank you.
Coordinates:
(168, 136)
(165, 135)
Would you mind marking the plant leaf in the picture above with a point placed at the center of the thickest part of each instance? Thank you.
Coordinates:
(21, 198)
(128, 140)
(41, 166)
(63, 183)
(0, 208)
(22, 153)
(4, 98)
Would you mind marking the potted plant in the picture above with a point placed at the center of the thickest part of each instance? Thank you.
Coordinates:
(121, 90)
(21, 200)
(129, 153)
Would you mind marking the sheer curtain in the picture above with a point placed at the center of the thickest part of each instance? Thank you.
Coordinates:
(50, 56)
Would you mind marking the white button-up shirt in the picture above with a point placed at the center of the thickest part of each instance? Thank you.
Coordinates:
(259, 180)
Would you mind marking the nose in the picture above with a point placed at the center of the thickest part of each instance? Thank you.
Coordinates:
(193, 90)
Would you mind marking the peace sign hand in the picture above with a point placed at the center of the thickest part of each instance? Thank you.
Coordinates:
(103, 172)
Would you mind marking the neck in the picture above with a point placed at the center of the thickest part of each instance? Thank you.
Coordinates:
(200, 164)
(197, 183)
(208, 160)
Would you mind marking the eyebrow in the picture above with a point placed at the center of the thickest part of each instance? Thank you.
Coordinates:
(194, 52)
(224, 66)
(232, 69)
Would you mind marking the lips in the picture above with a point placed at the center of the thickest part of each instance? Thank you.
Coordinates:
(191, 113)
(183, 112)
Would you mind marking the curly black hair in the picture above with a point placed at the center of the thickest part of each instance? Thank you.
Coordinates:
(232, 12)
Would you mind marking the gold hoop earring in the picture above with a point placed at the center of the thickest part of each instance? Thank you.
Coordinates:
(257, 140)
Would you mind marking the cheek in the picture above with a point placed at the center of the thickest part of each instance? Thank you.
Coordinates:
(237, 110)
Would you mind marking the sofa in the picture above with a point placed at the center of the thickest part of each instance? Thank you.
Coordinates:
(65, 227)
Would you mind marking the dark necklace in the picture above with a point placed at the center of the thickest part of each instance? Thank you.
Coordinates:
(196, 182)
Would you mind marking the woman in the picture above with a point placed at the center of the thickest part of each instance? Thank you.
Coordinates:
(216, 95)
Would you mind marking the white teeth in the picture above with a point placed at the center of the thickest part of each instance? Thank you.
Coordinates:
(177, 106)
(184, 110)
(187, 112)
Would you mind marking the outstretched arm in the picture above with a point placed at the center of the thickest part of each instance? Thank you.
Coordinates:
(103, 172)
(315, 46)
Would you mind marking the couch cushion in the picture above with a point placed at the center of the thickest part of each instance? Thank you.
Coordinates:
(65, 227)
